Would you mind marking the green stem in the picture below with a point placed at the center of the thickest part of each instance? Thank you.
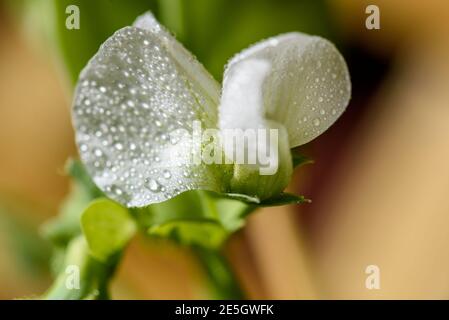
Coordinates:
(222, 280)
(82, 276)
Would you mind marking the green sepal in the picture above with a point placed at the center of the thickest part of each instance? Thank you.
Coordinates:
(300, 160)
(107, 227)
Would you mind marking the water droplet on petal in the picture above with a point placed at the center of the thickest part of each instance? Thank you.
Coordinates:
(153, 185)
(98, 153)
(167, 174)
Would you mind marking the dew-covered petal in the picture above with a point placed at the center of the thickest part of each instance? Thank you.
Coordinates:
(148, 22)
(308, 86)
(134, 108)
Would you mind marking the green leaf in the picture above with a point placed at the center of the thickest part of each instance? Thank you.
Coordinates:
(232, 213)
(284, 199)
(207, 234)
(243, 197)
(199, 218)
(300, 160)
(107, 227)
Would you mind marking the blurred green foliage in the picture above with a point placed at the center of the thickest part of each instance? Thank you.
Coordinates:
(30, 251)
(61, 229)
(214, 30)
(99, 19)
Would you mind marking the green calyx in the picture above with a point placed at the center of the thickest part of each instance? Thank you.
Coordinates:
(264, 181)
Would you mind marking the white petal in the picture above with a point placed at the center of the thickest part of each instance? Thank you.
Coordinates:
(308, 86)
(241, 105)
(141, 86)
(148, 22)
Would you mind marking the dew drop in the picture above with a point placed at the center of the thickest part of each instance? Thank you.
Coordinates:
(153, 185)
(167, 174)
(98, 153)
(118, 191)
(119, 146)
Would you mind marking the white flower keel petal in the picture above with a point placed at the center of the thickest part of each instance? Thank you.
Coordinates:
(242, 103)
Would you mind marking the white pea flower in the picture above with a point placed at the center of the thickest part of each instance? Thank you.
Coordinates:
(140, 99)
